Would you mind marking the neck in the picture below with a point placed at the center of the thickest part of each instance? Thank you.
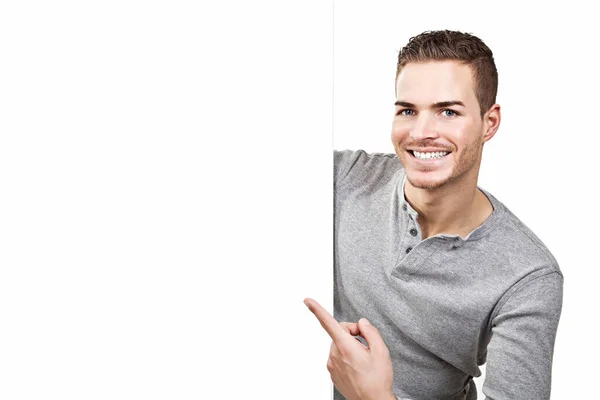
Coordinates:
(455, 208)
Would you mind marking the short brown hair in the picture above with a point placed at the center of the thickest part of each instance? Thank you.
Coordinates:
(463, 47)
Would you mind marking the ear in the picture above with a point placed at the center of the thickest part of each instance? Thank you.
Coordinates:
(491, 122)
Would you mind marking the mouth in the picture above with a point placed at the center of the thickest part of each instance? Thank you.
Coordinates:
(428, 155)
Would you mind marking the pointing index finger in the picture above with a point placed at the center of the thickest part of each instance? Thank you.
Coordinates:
(333, 328)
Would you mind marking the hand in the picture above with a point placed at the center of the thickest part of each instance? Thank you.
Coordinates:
(359, 372)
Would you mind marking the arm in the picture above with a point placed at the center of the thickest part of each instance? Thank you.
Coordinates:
(343, 161)
(519, 361)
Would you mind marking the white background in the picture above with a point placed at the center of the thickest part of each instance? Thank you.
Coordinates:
(165, 199)
(541, 163)
(165, 183)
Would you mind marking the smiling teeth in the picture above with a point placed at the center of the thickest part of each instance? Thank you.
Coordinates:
(428, 156)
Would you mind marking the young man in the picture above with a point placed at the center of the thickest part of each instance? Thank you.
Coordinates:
(445, 275)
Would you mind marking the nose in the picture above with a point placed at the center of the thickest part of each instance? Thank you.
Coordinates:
(424, 128)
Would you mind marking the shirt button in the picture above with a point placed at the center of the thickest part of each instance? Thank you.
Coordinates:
(404, 207)
(408, 250)
(413, 232)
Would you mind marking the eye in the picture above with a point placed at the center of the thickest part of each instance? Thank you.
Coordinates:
(407, 112)
(449, 113)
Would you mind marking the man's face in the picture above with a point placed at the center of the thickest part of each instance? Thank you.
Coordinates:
(437, 131)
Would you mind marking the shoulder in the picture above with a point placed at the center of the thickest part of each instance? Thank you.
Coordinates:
(525, 244)
(523, 264)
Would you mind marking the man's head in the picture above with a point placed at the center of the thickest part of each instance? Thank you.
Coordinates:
(446, 91)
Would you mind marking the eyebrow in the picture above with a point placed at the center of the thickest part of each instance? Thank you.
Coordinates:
(439, 104)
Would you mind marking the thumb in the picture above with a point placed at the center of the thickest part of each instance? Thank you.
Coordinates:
(372, 336)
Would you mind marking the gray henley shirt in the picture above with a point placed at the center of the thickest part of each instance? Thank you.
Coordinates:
(447, 304)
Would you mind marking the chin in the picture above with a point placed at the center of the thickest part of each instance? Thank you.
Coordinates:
(426, 182)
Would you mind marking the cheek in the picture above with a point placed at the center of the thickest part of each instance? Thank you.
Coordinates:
(400, 131)
(459, 133)
(458, 126)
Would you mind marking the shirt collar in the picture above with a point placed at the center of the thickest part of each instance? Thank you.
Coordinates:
(488, 225)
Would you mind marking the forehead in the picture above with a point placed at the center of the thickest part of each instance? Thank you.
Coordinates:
(434, 81)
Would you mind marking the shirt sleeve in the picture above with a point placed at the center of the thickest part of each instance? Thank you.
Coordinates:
(519, 355)
(343, 161)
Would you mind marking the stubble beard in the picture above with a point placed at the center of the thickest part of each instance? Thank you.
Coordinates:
(469, 159)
